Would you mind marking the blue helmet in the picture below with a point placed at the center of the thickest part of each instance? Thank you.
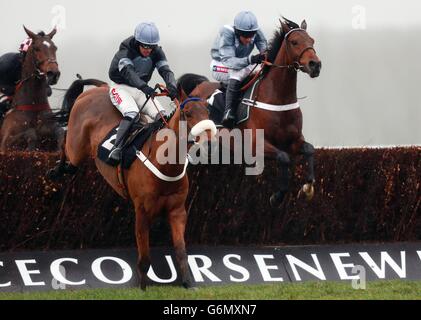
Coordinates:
(246, 21)
(147, 33)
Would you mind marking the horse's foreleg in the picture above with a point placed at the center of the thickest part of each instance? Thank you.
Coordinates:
(307, 150)
(177, 220)
(142, 239)
(62, 166)
(31, 139)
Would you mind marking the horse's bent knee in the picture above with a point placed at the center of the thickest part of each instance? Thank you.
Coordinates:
(283, 158)
(307, 149)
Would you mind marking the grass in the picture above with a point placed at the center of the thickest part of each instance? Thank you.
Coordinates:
(378, 290)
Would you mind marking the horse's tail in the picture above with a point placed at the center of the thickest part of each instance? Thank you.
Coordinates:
(74, 91)
(188, 82)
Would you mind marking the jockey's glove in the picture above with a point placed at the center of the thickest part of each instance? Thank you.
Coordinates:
(148, 91)
(172, 92)
(258, 58)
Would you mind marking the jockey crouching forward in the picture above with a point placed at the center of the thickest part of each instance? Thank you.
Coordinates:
(231, 62)
(131, 70)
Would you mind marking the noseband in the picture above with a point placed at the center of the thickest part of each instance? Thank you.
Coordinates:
(182, 105)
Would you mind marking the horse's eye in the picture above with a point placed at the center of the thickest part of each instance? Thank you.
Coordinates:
(294, 43)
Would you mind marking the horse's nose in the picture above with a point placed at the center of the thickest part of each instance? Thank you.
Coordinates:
(315, 67)
(53, 77)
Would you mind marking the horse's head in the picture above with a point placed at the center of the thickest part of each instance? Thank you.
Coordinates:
(43, 54)
(195, 112)
(299, 48)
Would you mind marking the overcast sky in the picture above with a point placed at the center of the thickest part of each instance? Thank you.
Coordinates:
(368, 91)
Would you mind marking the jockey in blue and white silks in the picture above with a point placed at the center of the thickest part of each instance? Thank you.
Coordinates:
(231, 60)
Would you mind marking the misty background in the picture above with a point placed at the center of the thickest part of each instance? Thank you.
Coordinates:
(368, 93)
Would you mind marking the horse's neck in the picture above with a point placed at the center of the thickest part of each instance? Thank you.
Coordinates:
(174, 125)
(32, 90)
(279, 87)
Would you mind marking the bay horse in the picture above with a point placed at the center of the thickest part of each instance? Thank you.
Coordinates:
(29, 125)
(92, 116)
(291, 50)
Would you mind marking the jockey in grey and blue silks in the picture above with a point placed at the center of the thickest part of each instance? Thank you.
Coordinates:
(233, 54)
(131, 69)
(231, 60)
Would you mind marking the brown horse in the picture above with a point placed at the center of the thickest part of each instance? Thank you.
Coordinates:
(92, 116)
(290, 51)
(29, 124)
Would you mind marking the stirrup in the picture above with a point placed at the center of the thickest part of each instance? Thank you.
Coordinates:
(115, 154)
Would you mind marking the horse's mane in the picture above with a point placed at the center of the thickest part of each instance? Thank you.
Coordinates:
(277, 40)
(189, 81)
(41, 34)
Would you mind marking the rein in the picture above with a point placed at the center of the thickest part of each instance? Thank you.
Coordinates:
(296, 65)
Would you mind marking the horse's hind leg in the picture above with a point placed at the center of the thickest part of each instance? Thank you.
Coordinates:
(284, 161)
(142, 239)
(177, 220)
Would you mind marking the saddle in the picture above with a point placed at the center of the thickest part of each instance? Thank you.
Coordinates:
(216, 104)
(139, 134)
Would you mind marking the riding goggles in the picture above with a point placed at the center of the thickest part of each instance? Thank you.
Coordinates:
(147, 46)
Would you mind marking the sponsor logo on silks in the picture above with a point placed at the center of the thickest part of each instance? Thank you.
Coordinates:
(116, 96)
(220, 69)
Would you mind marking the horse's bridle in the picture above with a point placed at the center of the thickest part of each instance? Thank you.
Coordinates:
(183, 116)
(37, 73)
(296, 65)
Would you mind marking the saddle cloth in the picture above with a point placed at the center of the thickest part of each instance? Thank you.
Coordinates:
(139, 135)
(216, 106)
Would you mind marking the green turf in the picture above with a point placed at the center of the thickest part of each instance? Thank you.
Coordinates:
(307, 290)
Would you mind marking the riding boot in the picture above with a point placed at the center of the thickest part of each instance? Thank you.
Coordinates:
(231, 103)
(122, 132)
(4, 107)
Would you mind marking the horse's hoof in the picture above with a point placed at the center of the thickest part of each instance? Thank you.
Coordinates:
(307, 191)
(276, 199)
(193, 288)
(52, 174)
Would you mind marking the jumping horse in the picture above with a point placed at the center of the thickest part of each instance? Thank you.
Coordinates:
(152, 187)
(274, 100)
(29, 124)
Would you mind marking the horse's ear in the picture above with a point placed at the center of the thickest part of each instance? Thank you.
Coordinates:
(304, 25)
(52, 33)
(285, 27)
(31, 34)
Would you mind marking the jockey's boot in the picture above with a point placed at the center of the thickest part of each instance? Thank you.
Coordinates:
(4, 107)
(231, 103)
(122, 132)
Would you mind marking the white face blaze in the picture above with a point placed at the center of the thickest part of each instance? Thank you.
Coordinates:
(46, 43)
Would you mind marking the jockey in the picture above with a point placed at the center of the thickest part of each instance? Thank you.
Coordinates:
(232, 62)
(10, 73)
(131, 69)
